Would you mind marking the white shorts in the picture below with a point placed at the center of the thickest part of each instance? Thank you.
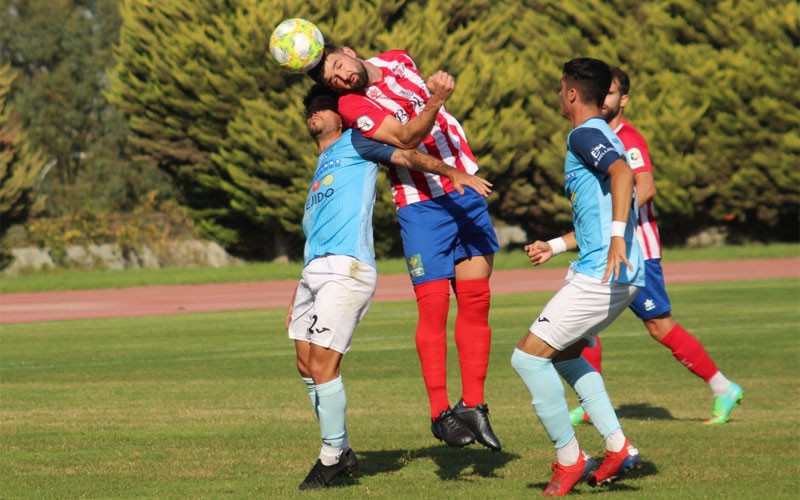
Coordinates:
(333, 296)
(581, 309)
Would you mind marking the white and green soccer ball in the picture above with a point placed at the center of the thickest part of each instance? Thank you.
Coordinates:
(296, 44)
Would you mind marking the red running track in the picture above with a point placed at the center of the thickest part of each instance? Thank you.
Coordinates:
(155, 300)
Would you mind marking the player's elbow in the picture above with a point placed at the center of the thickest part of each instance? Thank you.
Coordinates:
(407, 141)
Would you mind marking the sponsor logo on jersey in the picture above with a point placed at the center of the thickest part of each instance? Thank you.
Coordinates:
(365, 124)
(373, 93)
(649, 305)
(401, 115)
(635, 158)
(598, 152)
(317, 196)
(542, 319)
(327, 166)
(328, 180)
(415, 267)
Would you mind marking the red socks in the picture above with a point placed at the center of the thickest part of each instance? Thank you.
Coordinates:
(690, 352)
(433, 304)
(594, 355)
(473, 337)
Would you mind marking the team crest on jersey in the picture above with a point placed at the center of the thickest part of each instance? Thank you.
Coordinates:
(365, 124)
(398, 70)
(327, 180)
(415, 267)
(635, 158)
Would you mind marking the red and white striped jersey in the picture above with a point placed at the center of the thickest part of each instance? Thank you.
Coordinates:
(639, 161)
(402, 94)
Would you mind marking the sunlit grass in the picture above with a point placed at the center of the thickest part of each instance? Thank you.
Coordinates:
(211, 406)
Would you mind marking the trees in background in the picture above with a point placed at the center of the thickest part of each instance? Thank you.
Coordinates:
(61, 50)
(713, 91)
(21, 165)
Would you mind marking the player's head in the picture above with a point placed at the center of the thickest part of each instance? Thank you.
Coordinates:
(321, 107)
(617, 97)
(340, 70)
(589, 78)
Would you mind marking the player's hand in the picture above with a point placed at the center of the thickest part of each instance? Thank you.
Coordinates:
(462, 179)
(441, 86)
(616, 254)
(539, 252)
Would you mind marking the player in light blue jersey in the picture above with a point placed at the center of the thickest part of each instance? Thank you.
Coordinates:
(339, 274)
(598, 288)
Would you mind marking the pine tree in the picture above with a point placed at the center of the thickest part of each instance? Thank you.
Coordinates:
(20, 166)
(712, 92)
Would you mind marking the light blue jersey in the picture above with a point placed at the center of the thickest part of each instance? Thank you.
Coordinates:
(591, 149)
(338, 213)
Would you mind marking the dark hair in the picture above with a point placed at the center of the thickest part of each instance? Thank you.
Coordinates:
(591, 78)
(317, 72)
(320, 97)
(622, 78)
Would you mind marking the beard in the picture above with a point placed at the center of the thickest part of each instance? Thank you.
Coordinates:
(361, 80)
(610, 113)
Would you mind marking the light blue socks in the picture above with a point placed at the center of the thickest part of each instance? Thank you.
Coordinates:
(547, 391)
(591, 390)
(331, 412)
(312, 394)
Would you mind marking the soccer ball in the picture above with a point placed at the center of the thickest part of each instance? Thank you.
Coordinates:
(296, 44)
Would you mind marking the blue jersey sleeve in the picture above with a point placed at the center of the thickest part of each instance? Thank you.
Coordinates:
(378, 152)
(593, 148)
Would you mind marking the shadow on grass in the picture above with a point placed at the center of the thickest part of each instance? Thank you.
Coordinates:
(453, 463)
(627, 483)
(644, 412)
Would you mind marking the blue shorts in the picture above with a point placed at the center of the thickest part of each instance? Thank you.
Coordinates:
(440, 232)
(652, 300)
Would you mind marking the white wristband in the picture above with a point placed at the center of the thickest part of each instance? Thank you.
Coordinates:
(618, 228)
(558, 245)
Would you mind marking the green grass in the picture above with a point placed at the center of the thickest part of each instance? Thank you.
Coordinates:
(211, 406)
(75, 279)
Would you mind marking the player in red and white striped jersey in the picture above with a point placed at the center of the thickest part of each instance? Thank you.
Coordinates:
(447, 238)
(652, 304)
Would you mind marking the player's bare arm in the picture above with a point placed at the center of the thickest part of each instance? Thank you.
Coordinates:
(540, 252)
(621, 195)
(410, 134)
(417, 160)
(645, 187)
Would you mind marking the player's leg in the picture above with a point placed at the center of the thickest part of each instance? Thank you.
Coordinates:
(475, 246)
(594, 356)
(343, 288)
(601, 304)
(653, 307)
(303, 351)
(302, 310)
(427, 232)
(557, 328)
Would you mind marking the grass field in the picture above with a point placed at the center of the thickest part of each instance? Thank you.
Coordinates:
(210, 406)
(78, 279)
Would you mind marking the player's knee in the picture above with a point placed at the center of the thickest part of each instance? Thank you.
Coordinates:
(660, 327)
